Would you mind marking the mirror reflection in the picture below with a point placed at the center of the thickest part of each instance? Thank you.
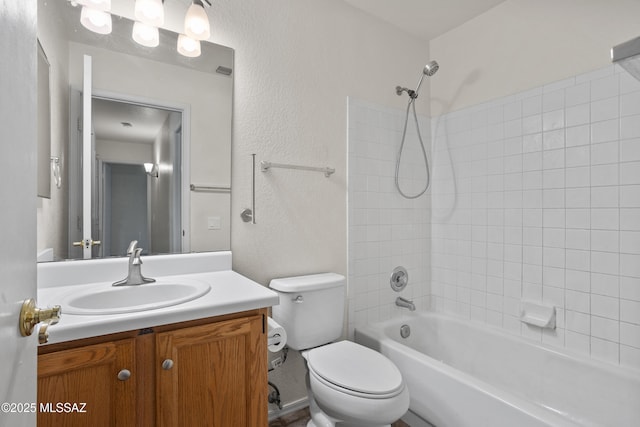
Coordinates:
(151, 108)
(135, 192)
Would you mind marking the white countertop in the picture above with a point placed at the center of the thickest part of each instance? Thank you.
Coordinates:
(230, 293)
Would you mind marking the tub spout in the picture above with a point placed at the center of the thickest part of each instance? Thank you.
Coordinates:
(405, 303)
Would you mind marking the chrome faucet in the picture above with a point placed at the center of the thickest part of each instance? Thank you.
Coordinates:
(405, 303)
(135, 276)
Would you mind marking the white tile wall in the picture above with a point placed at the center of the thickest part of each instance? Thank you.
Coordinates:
(385, 230)
(537, 196)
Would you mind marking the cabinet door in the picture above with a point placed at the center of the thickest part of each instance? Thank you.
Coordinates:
(80, 387)
(213, 375)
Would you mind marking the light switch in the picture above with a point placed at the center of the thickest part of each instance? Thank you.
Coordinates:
(213, 223)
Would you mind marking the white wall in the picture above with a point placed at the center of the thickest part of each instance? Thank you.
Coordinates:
(536, 173)
(124, 152)
(296, 63)
(385, 229)
(522, 44)
(52, 213)
(545, 208)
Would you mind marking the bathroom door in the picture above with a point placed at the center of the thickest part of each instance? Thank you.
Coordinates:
(18, 212)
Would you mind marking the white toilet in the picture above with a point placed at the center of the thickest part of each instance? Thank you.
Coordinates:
(348, 384)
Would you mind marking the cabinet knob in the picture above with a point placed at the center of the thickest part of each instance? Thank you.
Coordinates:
(167, 364)
(124, 375)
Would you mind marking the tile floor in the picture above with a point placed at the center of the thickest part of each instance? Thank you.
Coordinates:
(301, 417)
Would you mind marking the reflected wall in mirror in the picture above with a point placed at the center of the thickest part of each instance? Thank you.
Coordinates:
(192, 146)
(44, 126)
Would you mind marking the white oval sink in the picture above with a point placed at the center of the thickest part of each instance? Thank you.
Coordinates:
(107, 299)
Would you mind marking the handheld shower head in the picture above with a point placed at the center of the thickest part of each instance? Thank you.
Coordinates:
(431, 68)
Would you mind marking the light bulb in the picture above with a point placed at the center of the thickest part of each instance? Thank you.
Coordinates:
(150, 12)
(188, 46)
(96, 20)
(146, 35)
(196, 23)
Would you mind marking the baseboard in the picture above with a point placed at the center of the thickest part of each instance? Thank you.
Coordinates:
(415, 420)
(288, 408)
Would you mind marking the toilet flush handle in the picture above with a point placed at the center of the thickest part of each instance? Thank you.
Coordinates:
(298, 299)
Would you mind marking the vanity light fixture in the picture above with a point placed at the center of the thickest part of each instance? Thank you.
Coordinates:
(151, 169)
(196, 22)
(96, 20)
(188, 46)
(145, 34)
(103, 5)
(150, 12)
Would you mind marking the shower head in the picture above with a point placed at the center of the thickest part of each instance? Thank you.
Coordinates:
(431, 68)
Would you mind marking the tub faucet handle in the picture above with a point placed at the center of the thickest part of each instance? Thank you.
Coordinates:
(399, 279)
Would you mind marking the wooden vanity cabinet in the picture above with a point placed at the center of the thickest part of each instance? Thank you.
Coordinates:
(80, 386)
(208, 372)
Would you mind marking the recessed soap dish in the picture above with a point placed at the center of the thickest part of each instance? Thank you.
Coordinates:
(536, 314)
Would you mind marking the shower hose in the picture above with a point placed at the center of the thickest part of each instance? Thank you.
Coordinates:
(412, 106)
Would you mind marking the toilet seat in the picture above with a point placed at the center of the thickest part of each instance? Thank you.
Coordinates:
(356, 370)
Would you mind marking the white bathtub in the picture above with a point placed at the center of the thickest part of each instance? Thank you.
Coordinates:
(461, 374)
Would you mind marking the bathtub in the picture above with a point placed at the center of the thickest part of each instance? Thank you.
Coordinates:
(461, 374)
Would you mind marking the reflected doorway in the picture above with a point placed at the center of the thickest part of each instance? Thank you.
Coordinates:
(126, 208)
(128, 202)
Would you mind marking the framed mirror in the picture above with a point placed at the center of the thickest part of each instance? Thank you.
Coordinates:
(44, 127)
(148, 106)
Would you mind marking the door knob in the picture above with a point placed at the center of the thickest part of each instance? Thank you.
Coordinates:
(30, 316)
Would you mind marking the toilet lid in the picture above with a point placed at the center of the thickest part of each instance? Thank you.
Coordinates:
(355, 367)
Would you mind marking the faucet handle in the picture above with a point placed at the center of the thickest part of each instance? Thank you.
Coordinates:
(135, 256)
(132, 247)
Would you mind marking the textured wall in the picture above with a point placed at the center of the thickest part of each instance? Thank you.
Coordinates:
(296, 62)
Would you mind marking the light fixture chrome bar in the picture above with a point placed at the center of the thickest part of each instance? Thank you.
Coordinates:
(210, 188)
(265, 166)
(627, 55)
(626, 50)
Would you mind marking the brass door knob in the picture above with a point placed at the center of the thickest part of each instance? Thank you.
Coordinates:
(30, 316)
(88, 243)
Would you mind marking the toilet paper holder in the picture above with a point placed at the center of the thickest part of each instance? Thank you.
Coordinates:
(276, 336)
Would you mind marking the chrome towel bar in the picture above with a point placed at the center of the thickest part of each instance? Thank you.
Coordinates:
(265, 166)
(210, 188)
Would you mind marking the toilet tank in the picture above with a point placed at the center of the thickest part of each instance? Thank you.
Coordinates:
(311, 308)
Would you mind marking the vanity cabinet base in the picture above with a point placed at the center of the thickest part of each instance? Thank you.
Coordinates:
(209, 372)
